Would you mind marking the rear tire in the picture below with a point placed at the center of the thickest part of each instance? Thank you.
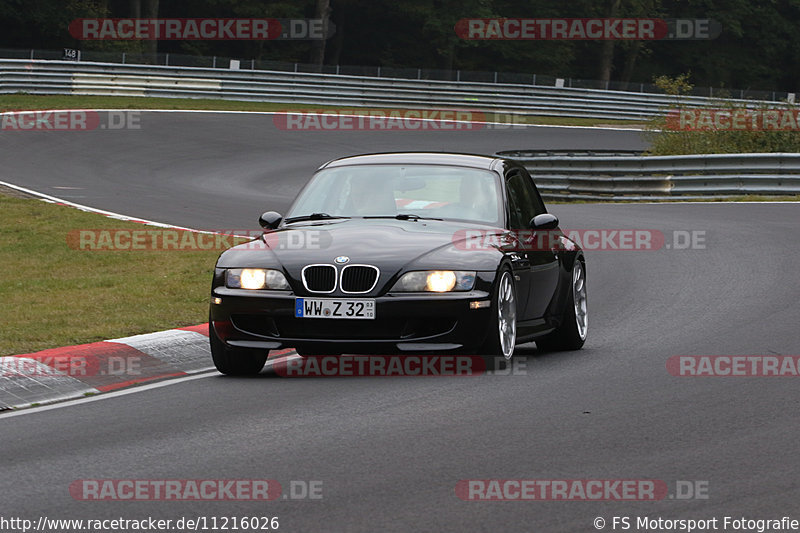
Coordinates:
(571, 333)
(498, 348)
(232, 361)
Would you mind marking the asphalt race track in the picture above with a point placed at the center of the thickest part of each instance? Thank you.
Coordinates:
(224, 170)
(389, 452)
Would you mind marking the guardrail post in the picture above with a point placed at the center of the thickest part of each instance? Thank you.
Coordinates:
(585, 105)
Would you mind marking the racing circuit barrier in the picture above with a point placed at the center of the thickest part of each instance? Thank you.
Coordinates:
(559, 176)
(611, 176)
(115, 79)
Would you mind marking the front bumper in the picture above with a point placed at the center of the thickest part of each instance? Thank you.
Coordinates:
(403, 323)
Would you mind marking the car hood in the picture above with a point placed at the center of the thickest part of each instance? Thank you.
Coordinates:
(391, 245)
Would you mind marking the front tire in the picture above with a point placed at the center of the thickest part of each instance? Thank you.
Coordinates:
(502, 336)
(232, 361)
(571, 333)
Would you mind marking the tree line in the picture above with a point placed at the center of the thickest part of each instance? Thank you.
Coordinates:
(757, 48)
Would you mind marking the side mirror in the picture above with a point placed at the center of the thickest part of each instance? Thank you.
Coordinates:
(545, 221)
(270, 220)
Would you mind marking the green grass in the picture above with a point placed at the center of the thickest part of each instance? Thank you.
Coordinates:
(16, 102)
(54, 295)
(665, 139)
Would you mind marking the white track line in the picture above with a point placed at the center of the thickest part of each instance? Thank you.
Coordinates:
(199, 374)
(106, 395)
(110, 214)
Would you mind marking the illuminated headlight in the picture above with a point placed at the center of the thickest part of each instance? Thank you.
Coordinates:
(256, 278)
(435, 281)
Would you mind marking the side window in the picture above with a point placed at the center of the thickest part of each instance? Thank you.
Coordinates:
(538, 204)
(522, 200)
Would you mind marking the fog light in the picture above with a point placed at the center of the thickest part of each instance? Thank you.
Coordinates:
(480, 304)
(216, 301)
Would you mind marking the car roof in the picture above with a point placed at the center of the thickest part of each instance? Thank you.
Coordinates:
(418, 158)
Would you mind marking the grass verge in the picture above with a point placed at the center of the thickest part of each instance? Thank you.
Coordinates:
(18, 102)
(55, 295)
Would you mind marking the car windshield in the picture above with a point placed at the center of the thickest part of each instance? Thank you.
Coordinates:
(421, 191)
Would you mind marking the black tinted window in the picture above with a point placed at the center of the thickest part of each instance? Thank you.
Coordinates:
(522, 200)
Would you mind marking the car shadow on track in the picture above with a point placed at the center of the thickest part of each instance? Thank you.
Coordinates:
(527, 354)
(532, 354)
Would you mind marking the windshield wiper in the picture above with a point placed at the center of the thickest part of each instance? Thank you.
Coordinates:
(312, 216)
(405, 216)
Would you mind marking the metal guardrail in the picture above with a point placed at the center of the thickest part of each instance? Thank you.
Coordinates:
(588, 176)
(110, 79)
(377, 71)
(680, 177)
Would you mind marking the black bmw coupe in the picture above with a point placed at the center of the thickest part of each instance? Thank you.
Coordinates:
(402, 253)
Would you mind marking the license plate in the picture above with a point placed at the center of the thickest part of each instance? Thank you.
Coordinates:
(329, 308)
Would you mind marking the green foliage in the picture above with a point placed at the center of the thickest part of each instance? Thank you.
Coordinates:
(668, 136)
(724, 142)
(756, 50)
(675, 86)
